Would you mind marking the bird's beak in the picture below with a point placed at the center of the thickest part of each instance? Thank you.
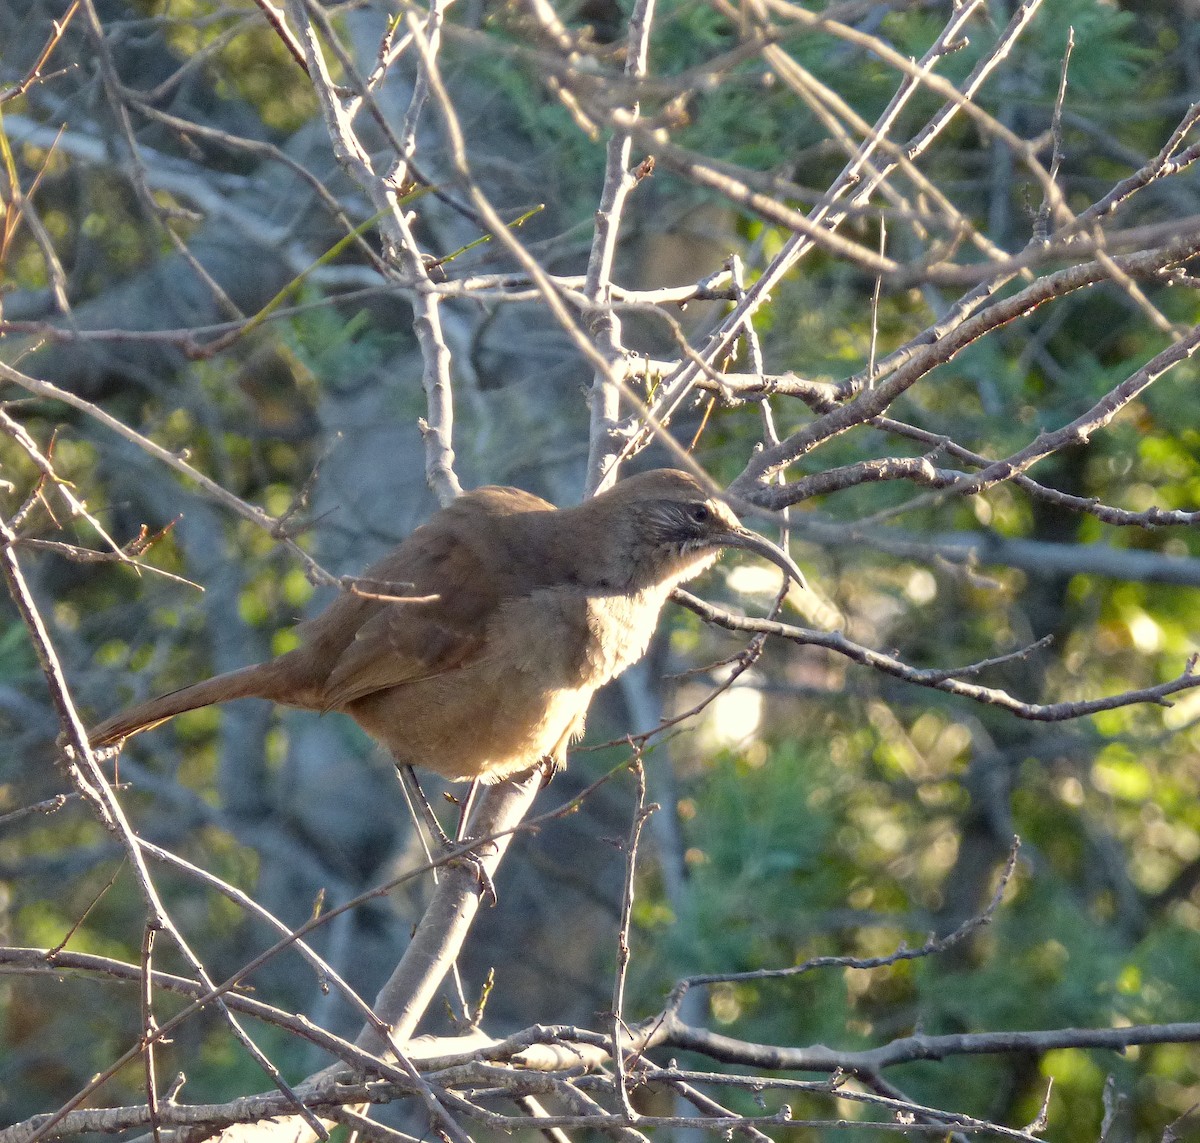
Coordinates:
(753, 542)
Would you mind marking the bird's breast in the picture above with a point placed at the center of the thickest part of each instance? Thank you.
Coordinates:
(577, 636)
(619, 629)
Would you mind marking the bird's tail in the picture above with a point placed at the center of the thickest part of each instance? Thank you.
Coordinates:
(257, 681)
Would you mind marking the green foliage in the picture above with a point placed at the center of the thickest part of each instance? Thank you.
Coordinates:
(338, 350)
(252, 65)
(1107, 58)
(878, 812)
(839, 844)
(16, 656)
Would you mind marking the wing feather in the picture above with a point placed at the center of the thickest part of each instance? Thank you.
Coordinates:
(373, 645)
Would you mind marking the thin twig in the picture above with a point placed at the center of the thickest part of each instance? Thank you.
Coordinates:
(940, 679)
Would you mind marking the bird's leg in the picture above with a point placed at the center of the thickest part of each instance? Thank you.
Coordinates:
(465, 807)
(464, 810)
(421, 810)
(423, 815)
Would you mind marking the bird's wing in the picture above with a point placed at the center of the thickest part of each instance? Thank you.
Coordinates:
(374, 644)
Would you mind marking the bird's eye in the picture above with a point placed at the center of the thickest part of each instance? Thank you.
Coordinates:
(701, 513)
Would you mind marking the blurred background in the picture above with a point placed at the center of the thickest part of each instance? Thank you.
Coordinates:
(815, 807)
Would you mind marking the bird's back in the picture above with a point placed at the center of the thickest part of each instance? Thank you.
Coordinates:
(371, 639)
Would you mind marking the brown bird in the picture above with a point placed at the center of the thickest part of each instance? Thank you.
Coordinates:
(520, 612)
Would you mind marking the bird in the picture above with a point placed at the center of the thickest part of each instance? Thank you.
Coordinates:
(495, 623)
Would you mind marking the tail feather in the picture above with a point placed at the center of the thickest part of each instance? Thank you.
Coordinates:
(256, 681)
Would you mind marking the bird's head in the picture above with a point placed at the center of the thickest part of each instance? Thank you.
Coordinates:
(681, 524)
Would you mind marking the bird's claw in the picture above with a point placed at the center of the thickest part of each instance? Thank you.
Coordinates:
(487, 887)
(549, 767)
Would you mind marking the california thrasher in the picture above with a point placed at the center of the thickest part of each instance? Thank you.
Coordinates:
(521, 612)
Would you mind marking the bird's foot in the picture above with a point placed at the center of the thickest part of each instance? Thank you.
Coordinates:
(440, 848)
(469, 858)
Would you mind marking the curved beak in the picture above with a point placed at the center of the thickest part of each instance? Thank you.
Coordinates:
(753, 542)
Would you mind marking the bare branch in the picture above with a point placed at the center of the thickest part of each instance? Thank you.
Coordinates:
(940, 679)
